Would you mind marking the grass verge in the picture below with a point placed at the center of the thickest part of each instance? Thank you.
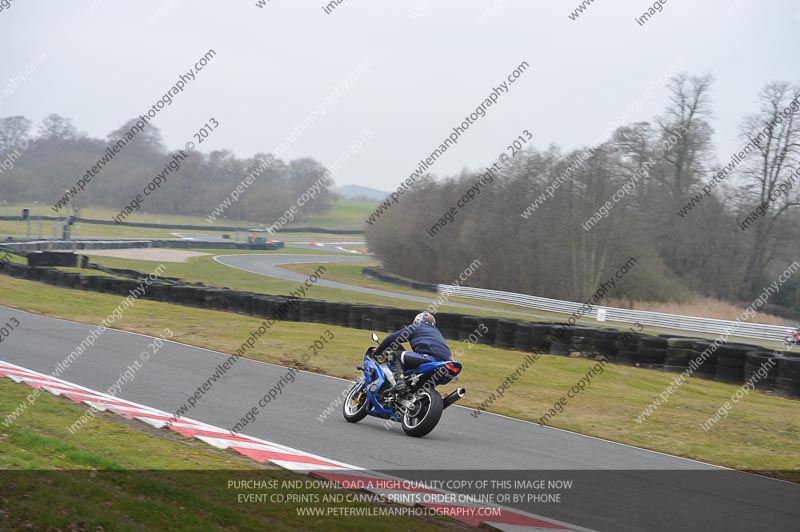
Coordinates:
(761, 433)
(123, 475)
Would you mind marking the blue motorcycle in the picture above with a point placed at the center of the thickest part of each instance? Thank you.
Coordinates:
(418, 409)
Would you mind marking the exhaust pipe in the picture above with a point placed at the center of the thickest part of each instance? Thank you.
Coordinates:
(454, 396)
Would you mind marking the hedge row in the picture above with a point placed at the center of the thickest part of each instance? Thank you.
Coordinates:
(733, 363)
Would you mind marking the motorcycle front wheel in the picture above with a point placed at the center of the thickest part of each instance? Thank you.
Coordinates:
(355, 404)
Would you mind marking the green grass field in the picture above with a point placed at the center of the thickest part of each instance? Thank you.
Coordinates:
(106, 213)
(345, 214)
(121, 475)
(19, 230)
(211, 273)
(761, 433)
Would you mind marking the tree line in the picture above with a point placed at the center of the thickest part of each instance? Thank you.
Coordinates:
(51, 157)
(538, 232)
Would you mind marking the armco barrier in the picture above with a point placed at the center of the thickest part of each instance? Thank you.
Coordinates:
(617, 315)
(727, 364)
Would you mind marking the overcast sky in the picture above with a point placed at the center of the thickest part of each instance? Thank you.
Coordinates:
(108, 61)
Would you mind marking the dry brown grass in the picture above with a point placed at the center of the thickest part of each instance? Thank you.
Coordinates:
(703, 307)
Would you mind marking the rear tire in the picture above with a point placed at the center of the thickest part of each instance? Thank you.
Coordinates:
(354, 408)
(424, 418)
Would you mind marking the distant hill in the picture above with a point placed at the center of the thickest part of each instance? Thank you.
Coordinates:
(359, 192)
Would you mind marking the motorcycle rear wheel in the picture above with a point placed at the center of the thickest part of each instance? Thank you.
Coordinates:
(423, 418)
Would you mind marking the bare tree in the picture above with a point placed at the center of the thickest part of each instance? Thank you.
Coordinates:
(775, 132)
(687, 119)
(13, 131)
(685, 162)
(57, 127)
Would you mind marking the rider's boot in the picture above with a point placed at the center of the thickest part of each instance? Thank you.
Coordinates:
(397, 370)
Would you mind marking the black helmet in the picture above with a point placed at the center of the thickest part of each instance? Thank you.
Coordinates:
(425, 317)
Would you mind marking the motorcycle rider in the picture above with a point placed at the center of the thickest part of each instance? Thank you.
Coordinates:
(427, 344)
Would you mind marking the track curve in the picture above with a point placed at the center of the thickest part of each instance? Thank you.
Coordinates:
(268, 265)
(655, 492)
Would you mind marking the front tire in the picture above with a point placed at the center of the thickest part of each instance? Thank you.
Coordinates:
(354, 408)
(425, 415)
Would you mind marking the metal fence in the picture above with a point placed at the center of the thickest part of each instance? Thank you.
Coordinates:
(656, 319)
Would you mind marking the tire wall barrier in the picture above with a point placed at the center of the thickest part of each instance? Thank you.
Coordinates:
(731, 363)
(51, 258)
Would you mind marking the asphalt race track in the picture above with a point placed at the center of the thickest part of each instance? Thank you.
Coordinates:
(268, 265)
(616, 487)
